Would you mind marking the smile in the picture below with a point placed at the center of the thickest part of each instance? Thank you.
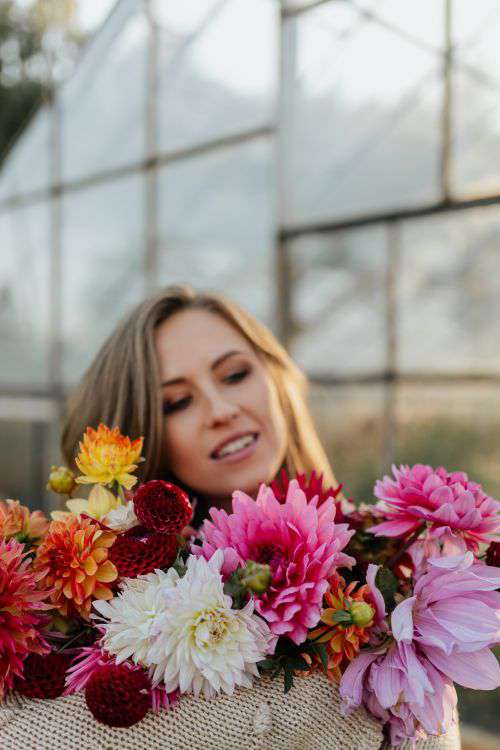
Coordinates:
(236, 449)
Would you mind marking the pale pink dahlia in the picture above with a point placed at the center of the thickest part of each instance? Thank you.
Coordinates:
(401, 687)
(20, 605)
(449, 503)
(298, 539)
(454, 618)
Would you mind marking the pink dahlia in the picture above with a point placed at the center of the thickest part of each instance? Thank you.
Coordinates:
(401, 687)
(454, 618)
(20, 606)
(300, 542)
(449, 503)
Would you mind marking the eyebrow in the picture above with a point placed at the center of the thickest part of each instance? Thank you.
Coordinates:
(213, 366)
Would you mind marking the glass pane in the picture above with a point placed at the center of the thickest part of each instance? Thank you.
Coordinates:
(27, 167)
(25, 293)
(103, 251)
(103, 104)
(423, 21)
(216, 224)
(339, 302)
(355, 118)
(350, 416)
(449, 292)
(27, 450)
(456, 426)
(476, 99)
(217, 63)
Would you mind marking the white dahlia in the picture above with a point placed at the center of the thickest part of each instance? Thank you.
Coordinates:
(131, 615)
(121, 518)
(202, 645)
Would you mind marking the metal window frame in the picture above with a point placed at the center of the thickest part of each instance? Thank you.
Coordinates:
(285, 232)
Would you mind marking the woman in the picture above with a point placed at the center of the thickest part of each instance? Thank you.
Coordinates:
(220, 402)
(222, 406)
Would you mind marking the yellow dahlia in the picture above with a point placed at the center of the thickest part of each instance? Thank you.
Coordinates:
(17, 521)
(100, 502)
(346, 619)
(74, 557)
(107, 456)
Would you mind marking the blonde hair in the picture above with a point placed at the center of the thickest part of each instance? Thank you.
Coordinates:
(122, 385)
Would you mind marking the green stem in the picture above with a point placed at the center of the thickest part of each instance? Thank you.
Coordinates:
(406, 546)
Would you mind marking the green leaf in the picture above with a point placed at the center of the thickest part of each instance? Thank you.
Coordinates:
(388, 584)
(288, 681)
(341, 616)
(320, 650)
(297, 662)
(266, 664)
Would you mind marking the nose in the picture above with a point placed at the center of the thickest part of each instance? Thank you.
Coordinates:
(220, 410)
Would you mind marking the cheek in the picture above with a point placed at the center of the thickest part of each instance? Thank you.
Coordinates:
(179, 440)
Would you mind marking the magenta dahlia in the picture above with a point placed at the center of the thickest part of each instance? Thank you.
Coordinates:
(20, 606)
(299, 540)
(449, 503)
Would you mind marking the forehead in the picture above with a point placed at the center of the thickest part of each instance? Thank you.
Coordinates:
(192, 339)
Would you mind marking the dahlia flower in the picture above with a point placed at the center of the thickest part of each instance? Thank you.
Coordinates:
(129, 618)
(401, 687)
(121, 518)
(344, 637)
(298, 539)
(450, 503)
(107, 456)
(138, 552)
(202, 645)
(43, 675)
(20, 606)
(162, 506)
(73, 558)
(17, 521)
(118, 696)
(454, 618)
(100, 502)
(311, 487)
(90, 658)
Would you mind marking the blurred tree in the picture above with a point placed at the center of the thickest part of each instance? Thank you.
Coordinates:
(38, 44)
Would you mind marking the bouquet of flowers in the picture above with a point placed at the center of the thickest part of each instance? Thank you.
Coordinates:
(119, 599)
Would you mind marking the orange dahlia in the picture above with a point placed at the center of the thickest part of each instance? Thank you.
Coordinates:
(74, 556)
(107, 456)
(17, 521)
(20, 605)
(346, 620)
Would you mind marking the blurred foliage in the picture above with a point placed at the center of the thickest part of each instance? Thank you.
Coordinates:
(38, 43)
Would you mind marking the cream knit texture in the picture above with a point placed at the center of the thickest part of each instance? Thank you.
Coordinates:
(260, 718)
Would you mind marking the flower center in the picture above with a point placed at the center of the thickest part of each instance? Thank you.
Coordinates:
(210, 627)
(271, 555)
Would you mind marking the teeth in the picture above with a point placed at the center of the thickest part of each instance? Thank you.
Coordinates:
(235, 445)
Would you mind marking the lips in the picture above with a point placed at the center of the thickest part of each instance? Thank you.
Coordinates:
(236, 436)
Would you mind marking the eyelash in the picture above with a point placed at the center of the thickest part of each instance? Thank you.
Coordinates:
(236, 377)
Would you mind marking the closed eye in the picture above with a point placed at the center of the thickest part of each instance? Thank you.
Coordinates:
(237, 376)
(170, 407)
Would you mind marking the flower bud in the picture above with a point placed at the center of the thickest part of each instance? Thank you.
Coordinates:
(61, 480)
(362, 614)
(255, 577)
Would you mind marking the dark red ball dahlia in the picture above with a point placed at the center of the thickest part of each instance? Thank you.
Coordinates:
(118, 695)
(136, 554)
(162, 506)
(311, 487)
(43, 675)
(493, 555)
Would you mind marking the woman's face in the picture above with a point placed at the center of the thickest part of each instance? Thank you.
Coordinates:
(224, 426)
